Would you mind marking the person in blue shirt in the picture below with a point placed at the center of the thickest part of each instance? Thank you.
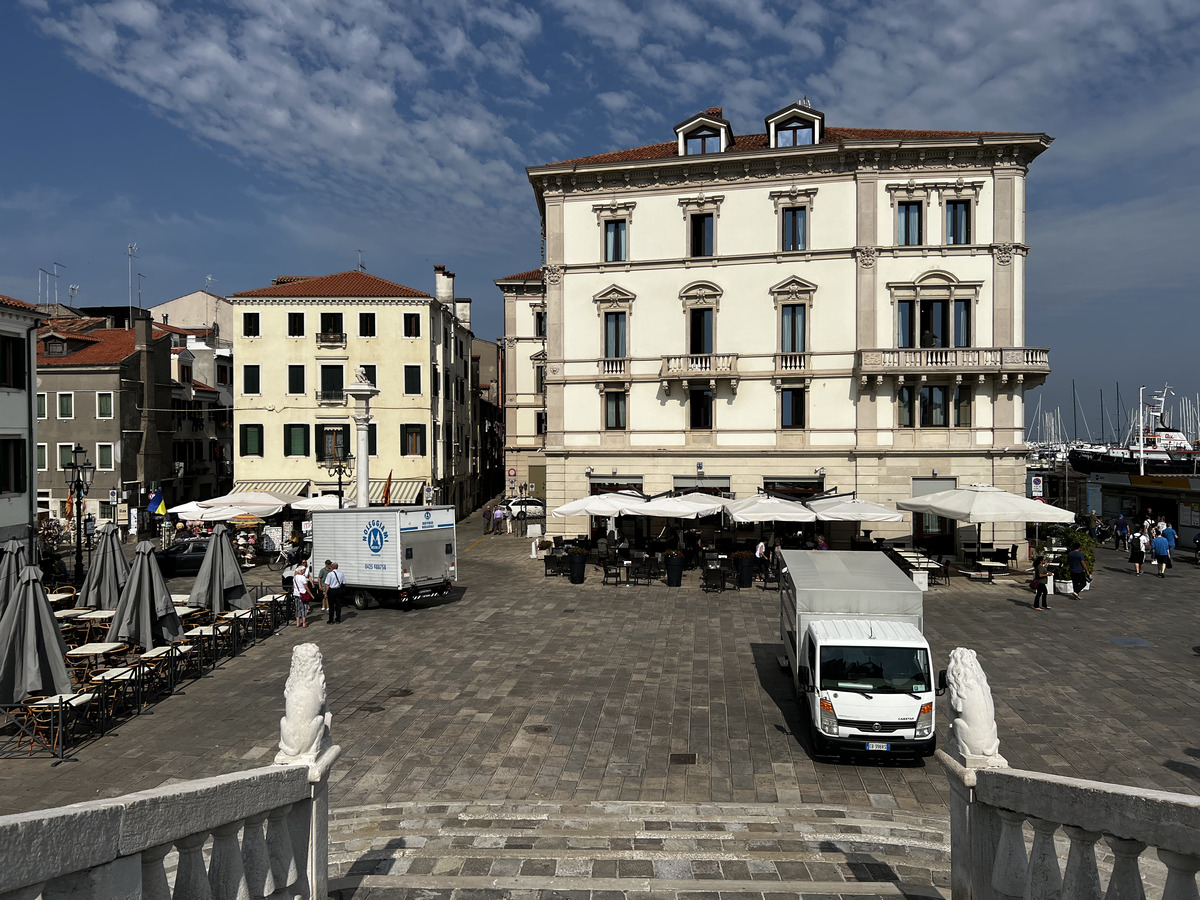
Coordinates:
(1121, 533)
(1171, 536)
(1162, 554)
(1079, 570)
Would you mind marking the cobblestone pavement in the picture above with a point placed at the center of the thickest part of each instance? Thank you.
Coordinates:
(520, 687)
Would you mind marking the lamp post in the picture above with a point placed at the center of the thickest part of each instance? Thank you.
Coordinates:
(340, 467)
(79, 474)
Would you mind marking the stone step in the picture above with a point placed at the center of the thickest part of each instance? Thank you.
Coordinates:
(569, 850)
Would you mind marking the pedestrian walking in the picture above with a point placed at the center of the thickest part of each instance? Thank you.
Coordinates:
(1121, 533)
(1162, 554)
(487, 519)
(1041, 574)
(497, 519)
(763, 559)
(335, 584)
(1171, 535)
(1080, 574)
(508, 520)
(1137, 550)
(301, 593)
(321, 583)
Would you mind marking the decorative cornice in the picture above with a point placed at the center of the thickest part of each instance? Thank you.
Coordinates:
(614, 209)
(794, 196)
(701, 295)
(701, 203)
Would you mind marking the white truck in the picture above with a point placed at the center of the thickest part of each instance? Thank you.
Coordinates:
(851, 623)
(388, 554)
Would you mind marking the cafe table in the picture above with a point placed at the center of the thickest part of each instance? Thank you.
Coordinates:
(991, 567)
(69, 613)
(92, 653)
(66, 706)
(242, 621)
(207, 634)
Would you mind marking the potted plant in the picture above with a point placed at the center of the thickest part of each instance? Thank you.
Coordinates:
(576, 564)
(744, 565)
(673, 561)
(542, 547)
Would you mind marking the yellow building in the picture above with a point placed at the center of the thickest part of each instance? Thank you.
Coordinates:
(298, 344)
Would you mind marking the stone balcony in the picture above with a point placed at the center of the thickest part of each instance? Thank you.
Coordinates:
(1027, 365)
(331, 339)
(699, 369)
(613, 368)
(791, 363)
(331, 397)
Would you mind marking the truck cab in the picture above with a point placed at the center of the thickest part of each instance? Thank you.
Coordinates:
(867, 686)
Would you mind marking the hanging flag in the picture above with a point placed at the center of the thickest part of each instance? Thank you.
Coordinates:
(156, 504)
(69, 509)
(387, 490)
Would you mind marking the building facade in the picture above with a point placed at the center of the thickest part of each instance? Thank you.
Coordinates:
(300, 342)
(110, 391)
(805, 309)
(524, 382)
(18, 421)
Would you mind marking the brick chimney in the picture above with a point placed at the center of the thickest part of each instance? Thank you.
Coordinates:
(716, 112)
(462, 311)
(443, 290)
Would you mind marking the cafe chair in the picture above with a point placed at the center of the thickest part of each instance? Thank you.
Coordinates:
(612, 573)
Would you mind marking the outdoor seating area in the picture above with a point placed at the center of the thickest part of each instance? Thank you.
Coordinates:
(75, 663)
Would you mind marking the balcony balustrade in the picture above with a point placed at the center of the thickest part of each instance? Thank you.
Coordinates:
(331, 397)
(331, 339)
(614, 367)
(1017, 362)
(790, 363)
(699, 368)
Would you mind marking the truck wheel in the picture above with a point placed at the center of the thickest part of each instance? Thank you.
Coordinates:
(362, 599)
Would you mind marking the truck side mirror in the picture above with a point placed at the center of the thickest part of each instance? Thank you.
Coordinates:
(805, 679)
(941, 688)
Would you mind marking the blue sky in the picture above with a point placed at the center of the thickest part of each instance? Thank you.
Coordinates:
(249, 138)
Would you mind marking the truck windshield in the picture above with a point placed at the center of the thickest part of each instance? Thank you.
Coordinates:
(882, 670)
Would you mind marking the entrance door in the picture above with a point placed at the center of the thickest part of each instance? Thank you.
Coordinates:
(933, 534)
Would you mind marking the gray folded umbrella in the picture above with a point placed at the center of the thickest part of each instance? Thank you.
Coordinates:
(31, 646)
(219, 584)
(109, 570)
(145, 614)
(12, 561)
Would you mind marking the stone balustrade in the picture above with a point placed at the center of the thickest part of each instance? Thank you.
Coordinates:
(256, 834)
(993, 808)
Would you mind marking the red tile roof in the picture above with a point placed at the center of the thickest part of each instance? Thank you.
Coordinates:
(15, 303)
(201, 386)
(341, 284)
(830, 135)
(531, 275)
(111, 346)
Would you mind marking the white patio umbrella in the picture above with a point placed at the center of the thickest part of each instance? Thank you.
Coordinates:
(189, 510)
(765, 508)
(851, 509)
(325, 501)
(979, 503)
(225, 513)
(252, 498)
(616, 503)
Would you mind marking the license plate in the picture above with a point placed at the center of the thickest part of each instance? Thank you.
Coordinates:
(879, 747)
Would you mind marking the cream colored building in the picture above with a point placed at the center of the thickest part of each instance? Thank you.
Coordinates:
(804, 309)
(299, 343)
(524, 361)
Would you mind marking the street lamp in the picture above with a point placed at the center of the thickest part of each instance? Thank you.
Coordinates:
(79, 474)
(341, 467)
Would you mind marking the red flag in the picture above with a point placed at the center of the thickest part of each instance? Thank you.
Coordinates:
(387, 490)
(69, 509)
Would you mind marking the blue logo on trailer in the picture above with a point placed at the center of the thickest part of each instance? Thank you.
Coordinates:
(375, 535)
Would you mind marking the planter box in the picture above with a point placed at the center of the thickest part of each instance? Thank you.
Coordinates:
(920, 579)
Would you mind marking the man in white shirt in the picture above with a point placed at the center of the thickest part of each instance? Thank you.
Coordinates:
(335, 583)
(764, 562)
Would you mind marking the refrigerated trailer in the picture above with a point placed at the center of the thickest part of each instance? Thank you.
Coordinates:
(388, 554)
(851, 623)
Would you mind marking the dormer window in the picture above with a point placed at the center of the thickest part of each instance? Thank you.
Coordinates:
(703, 140)
(56, 348)
(794, 133)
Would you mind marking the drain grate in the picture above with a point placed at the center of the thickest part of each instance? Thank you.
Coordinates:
(1131, 642)
(567, 612)
(683, 759)
(538, 729)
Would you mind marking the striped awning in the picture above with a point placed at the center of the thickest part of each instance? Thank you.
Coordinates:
(281, 487)
(405, 491)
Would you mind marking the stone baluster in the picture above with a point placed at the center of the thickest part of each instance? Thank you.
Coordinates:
(1082, 879)
(191, 879)
(1126, 880)
(1044, 880)
(1008, 871)
(226, 876)
(256, 859)
(284, 871)
(154, 873)
(1181, 875)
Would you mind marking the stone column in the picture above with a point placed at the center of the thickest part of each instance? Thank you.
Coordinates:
(361, 392)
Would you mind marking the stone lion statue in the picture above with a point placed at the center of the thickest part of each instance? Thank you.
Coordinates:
(304, 728)
(973, 715)
(360, 375)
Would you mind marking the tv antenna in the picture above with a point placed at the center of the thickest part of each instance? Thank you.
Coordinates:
(57, 266)
(46, 279)
(361, 267)
(208, 282)
(140, 277)
(131, 252)
(71, 292)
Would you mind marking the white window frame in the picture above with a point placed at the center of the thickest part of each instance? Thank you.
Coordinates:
(112, 403)
(794, 197)
(58, 405)
(42, 450)
(58, 455)
(112, 454)
(616, 211)
(420, 377)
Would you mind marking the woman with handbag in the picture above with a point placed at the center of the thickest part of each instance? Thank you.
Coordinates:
(1040, 574)
(301, 593)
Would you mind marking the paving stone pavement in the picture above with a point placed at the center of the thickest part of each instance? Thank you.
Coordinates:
(518, 688)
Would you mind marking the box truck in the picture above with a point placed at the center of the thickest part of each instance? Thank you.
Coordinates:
(388, 554)
(851, 623)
